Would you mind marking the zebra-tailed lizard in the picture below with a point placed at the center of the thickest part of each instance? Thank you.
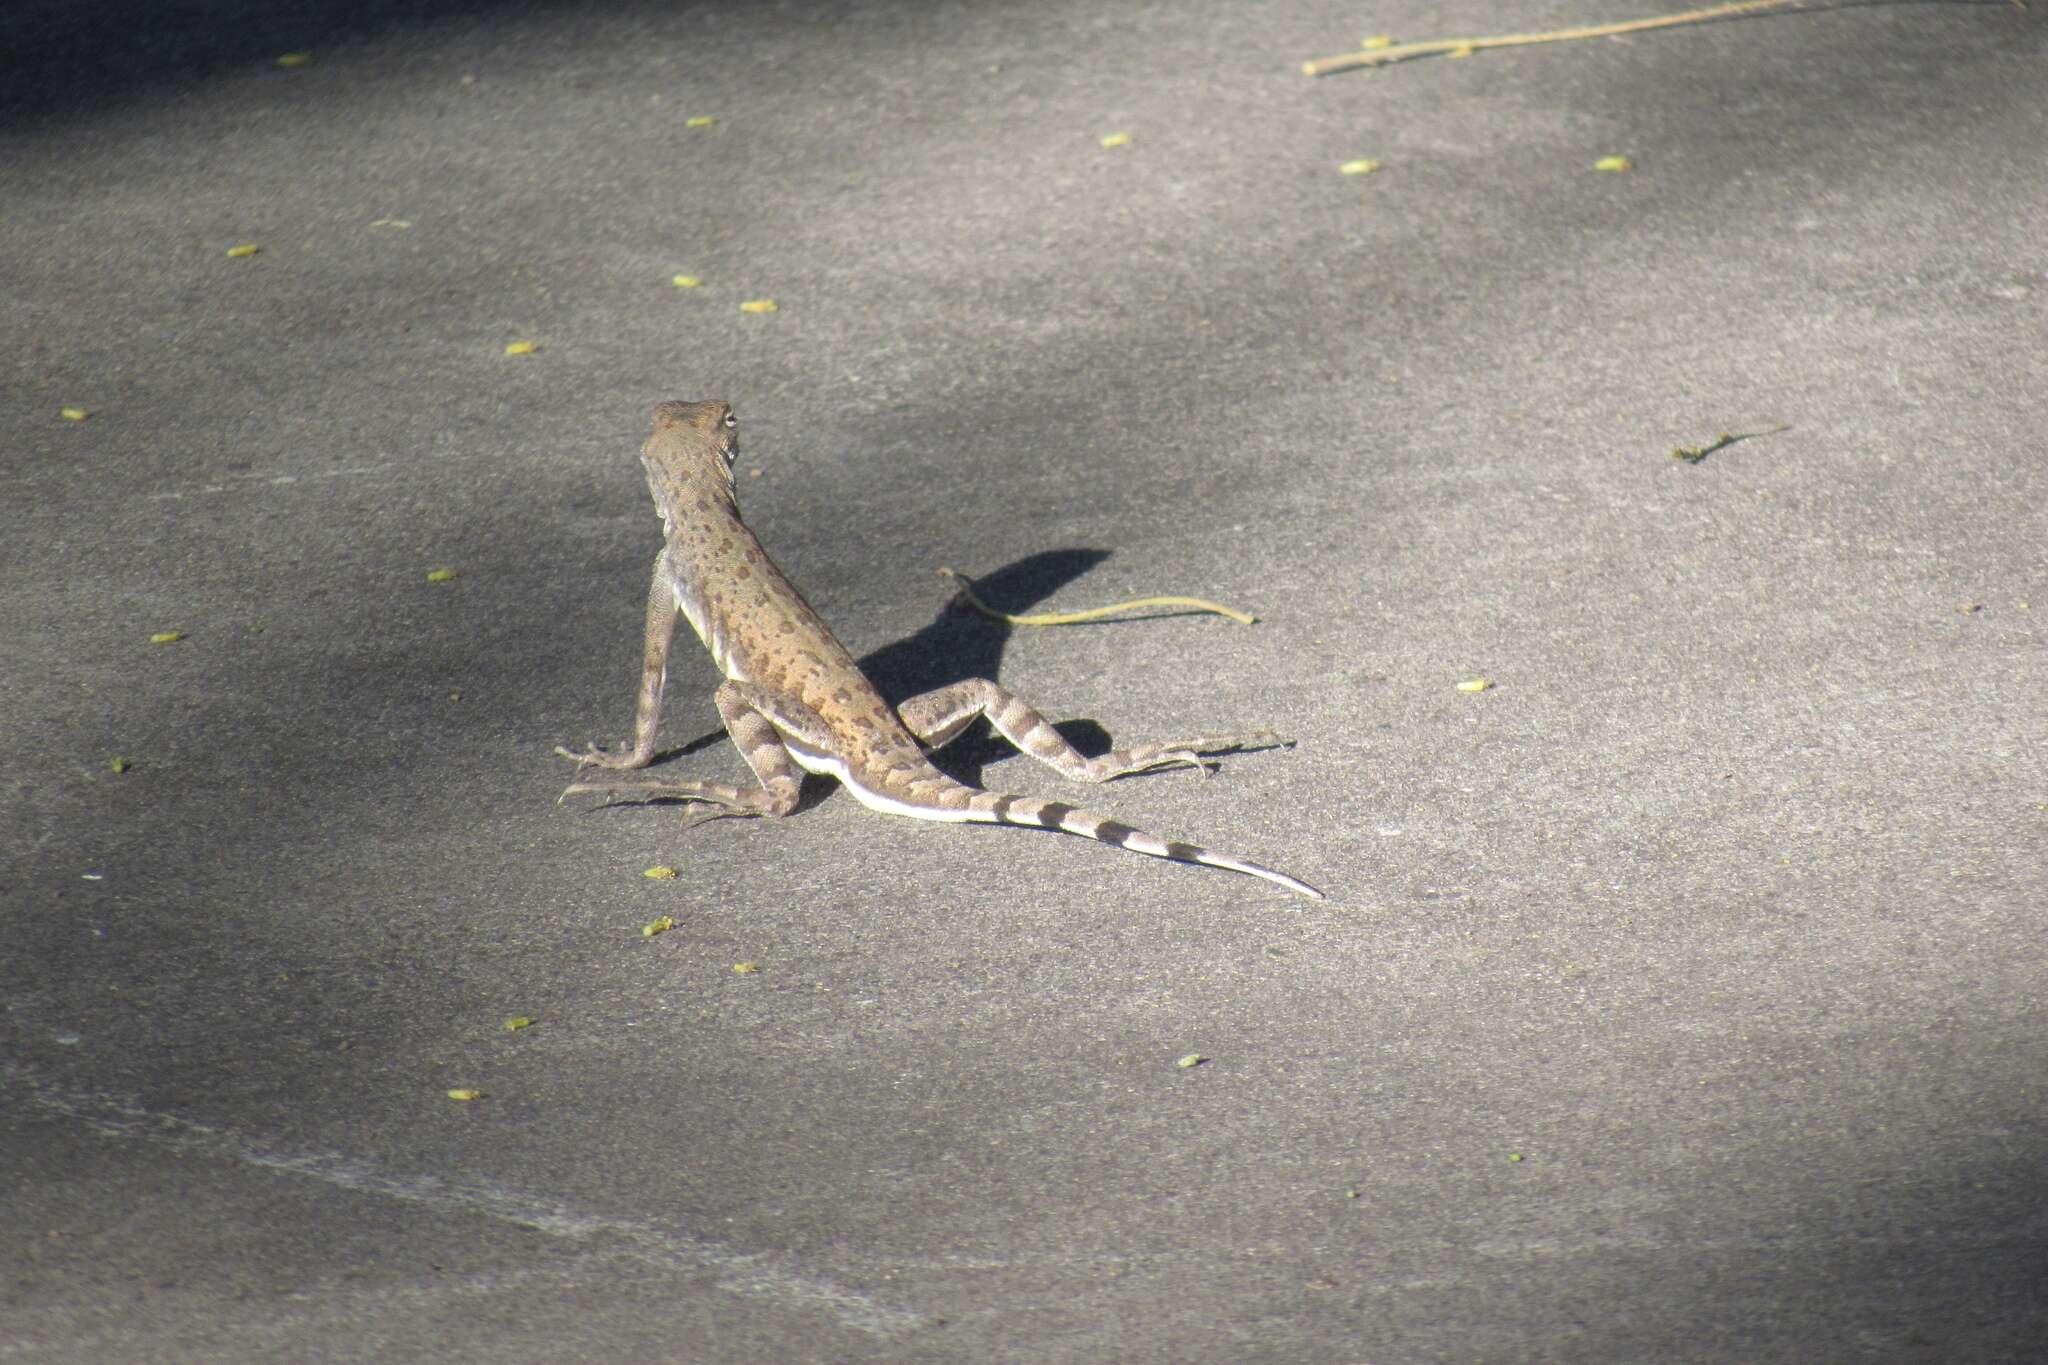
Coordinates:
(794, 698)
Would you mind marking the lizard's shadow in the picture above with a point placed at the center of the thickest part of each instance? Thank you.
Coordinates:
(962, 643)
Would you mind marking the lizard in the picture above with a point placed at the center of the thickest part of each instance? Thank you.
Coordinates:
(793, 697)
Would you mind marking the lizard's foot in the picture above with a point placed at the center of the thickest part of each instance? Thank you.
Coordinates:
(1257, 739)
(708, 800)
(641, 791)
(594, 757)
(1143, 758)
(1173, 758)
(703, 813)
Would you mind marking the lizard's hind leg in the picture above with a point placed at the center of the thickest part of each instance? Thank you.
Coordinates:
(938, 717)
(759, 743)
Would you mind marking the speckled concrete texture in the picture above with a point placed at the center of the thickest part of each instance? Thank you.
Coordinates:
(1683, 996)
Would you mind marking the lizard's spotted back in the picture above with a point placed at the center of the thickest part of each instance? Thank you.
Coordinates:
(757, 626)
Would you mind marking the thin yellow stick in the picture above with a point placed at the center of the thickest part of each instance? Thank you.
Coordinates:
(1067, 618)
(1465, 47)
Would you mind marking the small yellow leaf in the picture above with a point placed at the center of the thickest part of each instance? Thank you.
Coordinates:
(1514, 1156)
(521, 348)
(295, 59)
(440, 575)
(659, 874)
(659, 926)
(245, 249)
(1115, 139)
(1615, 165)
(465, 1095)
(1193, 1059)
(120, 765)
(73, 414)
(167, 637)
(1376, 42)
(1364, 167)
(517, 1022)
(699, 121)
(758, 306)
(1475, 684)
(686, 282)
(746, 968)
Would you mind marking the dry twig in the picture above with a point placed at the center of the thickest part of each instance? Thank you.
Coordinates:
(1465, 47)
(1067, 618)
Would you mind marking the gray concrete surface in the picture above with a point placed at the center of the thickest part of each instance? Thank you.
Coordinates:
(1681, 998)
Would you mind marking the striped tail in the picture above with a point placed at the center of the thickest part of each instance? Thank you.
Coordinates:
(996, 809)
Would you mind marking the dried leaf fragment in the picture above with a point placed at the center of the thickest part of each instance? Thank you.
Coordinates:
(686, 281)
(746, 968)
(1614, 165)
(1193, 1059)
(1363, 166)
(699, 121)
(758, 306)
(521, 348)
(658, 926)
(1115, 139)
(660, 874)
(465, 1095)
(1475, 684)
(440, 575)
(245, 249)
(120, 765)
(1698, 454)
(73, 414)
(518, 1022)
(167, 637)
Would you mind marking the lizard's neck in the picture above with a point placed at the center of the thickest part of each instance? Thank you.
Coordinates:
(685, 500)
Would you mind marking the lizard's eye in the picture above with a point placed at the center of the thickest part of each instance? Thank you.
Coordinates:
(731, 421)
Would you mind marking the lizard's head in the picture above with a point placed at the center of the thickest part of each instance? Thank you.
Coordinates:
(706, 431)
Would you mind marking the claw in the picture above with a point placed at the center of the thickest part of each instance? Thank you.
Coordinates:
(582, 760)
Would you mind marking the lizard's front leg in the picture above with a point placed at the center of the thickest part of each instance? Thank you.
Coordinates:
(661, 633)
(937, 717)
(759, 743)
